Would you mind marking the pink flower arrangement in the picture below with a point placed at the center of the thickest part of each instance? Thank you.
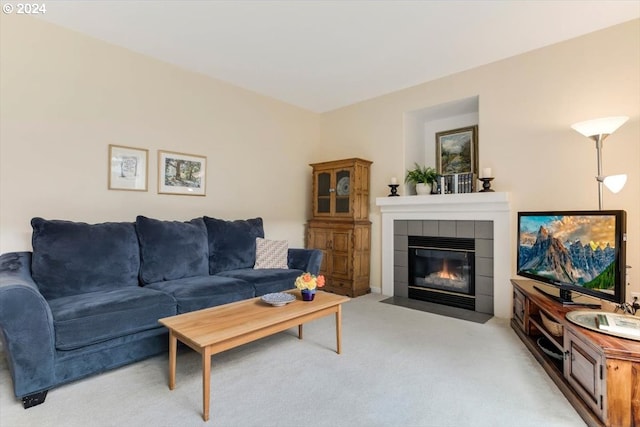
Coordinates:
(309, 281)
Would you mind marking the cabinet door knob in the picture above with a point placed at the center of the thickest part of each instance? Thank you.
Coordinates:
(331, 190)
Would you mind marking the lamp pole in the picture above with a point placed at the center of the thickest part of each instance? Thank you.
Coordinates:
(599, 139)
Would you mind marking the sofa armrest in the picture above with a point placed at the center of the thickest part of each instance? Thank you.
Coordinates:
(26, 326)
(307, 260)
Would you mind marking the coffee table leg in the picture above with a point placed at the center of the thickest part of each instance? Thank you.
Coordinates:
(339, 329)
(206, 382)
(173, 344)
(300, 331)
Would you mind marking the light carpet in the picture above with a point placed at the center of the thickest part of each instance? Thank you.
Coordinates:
(399, 367)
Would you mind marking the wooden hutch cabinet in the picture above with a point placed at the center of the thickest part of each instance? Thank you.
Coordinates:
(340, 226)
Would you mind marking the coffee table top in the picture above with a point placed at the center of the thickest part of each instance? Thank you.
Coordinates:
(217, 324)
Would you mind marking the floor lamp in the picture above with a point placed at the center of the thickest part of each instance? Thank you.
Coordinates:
(598, 130)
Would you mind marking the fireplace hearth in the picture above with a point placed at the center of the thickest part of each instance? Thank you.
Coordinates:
(442, 270)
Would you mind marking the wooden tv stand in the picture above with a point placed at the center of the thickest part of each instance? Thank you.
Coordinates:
(599, 374)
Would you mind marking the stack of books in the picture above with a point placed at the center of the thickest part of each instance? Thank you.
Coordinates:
(456, 183)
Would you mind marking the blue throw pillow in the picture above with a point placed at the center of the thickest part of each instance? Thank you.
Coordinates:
(171, 250)
(71, 258)
(232, 244)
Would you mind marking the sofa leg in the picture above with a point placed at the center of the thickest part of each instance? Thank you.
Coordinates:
(34, 399)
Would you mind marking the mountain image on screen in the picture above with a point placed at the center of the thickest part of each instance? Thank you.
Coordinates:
(588, 265)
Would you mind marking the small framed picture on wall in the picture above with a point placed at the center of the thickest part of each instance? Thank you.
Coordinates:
(457, 151)
(180, 173)
(128, 168)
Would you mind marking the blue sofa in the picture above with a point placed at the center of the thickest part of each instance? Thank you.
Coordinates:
(88, 297)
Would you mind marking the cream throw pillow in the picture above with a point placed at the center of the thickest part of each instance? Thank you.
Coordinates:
(271, 253)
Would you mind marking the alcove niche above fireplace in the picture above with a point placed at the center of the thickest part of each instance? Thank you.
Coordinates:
(484, 218)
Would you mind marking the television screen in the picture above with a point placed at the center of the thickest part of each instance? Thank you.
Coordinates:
(574, 250)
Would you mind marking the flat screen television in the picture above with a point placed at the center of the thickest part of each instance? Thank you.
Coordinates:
(582, 251)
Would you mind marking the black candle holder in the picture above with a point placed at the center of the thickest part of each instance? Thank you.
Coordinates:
(394, 190)
(486, 185)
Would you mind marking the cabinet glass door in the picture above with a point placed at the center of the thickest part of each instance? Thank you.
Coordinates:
(324, 192)
(343, 190)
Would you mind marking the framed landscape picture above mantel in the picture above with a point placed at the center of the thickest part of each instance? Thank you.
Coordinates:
(128, 168)
(180, 173)
(457, 151)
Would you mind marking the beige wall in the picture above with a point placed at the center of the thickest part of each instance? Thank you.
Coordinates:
(65, 97)
(526, 106)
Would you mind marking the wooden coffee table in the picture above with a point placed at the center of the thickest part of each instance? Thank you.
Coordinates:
(221, 328)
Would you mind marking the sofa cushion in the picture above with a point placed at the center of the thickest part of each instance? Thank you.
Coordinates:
(271, 253)
(195, 293)
(266, 281)
(172, 250)
(72, 258)
(232, 244)
(90, 318)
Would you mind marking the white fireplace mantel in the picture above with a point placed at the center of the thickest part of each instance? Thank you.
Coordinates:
(493, 206)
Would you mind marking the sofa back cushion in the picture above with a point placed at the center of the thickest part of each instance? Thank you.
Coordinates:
(71, 258)
(171, 250)
(232, 244)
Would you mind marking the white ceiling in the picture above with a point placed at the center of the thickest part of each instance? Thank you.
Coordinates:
(322, 55)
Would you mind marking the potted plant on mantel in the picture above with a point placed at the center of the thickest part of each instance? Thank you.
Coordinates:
(423, 177)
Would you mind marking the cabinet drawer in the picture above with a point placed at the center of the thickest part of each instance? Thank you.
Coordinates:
(340, 284)
(341, 287)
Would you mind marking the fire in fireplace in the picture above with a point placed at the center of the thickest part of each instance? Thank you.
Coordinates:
(441, 270)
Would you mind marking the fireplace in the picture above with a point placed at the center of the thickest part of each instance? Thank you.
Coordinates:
(485, 217)
(442, 270)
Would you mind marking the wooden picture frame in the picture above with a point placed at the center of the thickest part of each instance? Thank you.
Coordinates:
(180, 173)
(128, 168)
(457, 151)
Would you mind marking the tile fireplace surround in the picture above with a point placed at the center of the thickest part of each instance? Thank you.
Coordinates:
(450, 209)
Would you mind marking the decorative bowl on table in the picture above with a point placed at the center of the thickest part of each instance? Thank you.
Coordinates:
(278, 299)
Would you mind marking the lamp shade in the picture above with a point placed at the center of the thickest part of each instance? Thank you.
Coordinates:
(615, 182)
(603, 126)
